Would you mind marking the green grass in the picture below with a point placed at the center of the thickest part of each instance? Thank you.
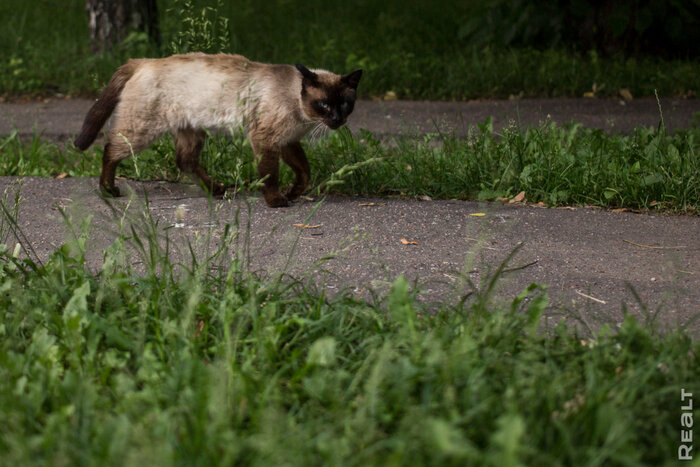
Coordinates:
(202, 362)
(556, 165)
(415, 49)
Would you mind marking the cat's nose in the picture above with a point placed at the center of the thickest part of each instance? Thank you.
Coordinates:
(337, 120)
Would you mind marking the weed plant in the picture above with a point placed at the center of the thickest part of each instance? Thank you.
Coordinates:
(200, 362)
(553, 164)
(556, 165)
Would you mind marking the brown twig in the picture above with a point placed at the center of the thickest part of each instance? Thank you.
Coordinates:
(591, 298)
(517, 268)
(652, 246)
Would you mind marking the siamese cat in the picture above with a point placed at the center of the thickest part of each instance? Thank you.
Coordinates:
(184, 94)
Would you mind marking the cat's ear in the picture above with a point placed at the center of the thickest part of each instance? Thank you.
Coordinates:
(306, 73)
(352, 79)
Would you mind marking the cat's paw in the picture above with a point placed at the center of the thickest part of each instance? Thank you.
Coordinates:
(218, 189)
(294, 192)
(110, 192)
(276, 200)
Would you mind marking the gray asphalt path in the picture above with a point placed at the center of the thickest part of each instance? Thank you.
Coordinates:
(62, 119)
(590, 259)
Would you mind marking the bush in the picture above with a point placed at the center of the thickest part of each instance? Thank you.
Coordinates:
(631, 27)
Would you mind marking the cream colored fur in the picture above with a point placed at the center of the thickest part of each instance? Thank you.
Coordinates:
(214, 92)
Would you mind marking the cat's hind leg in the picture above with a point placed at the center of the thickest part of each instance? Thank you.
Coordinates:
(189, 144)
(122, 144)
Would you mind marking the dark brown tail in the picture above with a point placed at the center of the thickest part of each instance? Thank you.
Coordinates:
(104, 106)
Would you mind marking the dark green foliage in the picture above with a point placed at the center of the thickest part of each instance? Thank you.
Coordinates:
(198, 30)
(418, 49)
(670, 29)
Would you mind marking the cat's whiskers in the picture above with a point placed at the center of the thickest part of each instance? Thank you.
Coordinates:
(317, 131)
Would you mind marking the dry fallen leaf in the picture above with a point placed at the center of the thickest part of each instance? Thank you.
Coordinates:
(478, 214)
(619, 210)
(409, 168)
(408, 242)
(307, 198)
(519, 198)
(200, 328)
(626, 94)
(588, 94)
(654, 203)
(62, 175)
(426, 198)
(390, 96)
(307, 226)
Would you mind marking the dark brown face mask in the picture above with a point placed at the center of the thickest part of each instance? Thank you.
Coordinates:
(329, 101)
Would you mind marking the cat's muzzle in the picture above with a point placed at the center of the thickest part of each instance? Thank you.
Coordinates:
(334, 124)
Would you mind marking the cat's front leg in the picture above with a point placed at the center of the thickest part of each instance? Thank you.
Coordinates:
(293, 155)
(268, 171)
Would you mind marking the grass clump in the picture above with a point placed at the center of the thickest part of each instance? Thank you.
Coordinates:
(41, 158)
(200, 361)
(556, 165)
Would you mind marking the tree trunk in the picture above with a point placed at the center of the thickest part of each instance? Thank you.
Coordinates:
(149, 15)
(110, 21)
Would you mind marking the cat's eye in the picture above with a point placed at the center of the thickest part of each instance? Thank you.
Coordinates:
(323, 106)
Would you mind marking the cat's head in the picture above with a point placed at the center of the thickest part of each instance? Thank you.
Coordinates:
(328, 97)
